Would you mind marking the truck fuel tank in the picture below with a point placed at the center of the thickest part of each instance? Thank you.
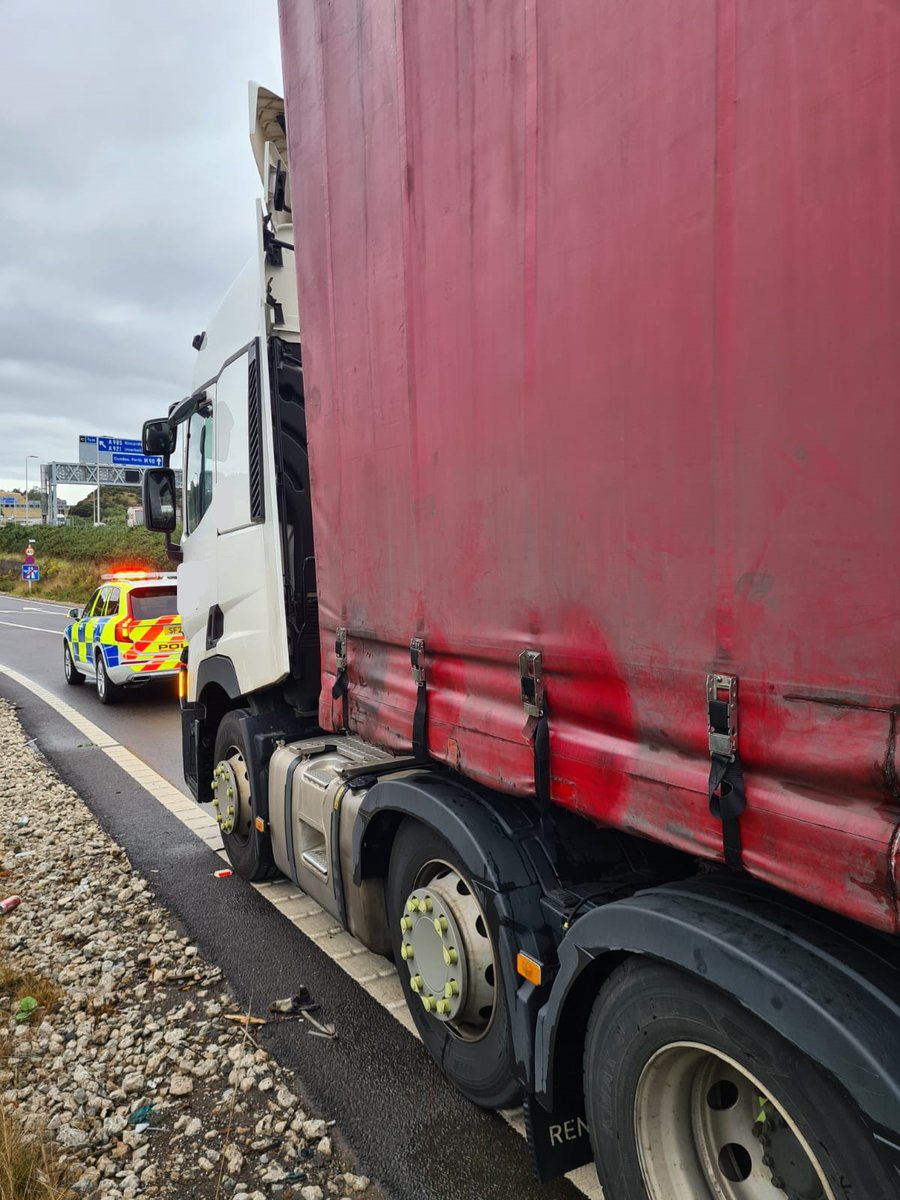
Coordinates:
(311, 813)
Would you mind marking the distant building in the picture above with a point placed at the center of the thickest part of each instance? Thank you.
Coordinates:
(135, 515)
(14, 511)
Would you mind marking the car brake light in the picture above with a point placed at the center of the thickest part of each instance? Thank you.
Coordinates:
(123, 630)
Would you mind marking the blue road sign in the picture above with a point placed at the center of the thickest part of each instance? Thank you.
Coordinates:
(9, 500)
(137, 460)
(31, 573)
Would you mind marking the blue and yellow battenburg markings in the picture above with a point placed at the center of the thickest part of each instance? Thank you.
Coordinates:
(146, 646)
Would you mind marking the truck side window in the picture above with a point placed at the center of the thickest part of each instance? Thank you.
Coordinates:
(232, 447)
(198, 483)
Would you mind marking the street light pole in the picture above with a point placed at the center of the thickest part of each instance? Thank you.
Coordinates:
(27, 456)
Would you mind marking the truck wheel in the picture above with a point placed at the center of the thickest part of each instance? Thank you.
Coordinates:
(248, 850)
(690, 1097)
(107, 691)
(445, 951)
(73, 676)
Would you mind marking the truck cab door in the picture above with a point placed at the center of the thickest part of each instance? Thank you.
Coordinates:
(230, 581)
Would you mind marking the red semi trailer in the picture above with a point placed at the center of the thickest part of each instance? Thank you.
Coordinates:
(570, 671)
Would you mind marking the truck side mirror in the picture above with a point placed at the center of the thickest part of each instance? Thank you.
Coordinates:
(158, 493)
(159, 437)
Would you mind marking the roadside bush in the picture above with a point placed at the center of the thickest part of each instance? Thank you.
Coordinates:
(82, 543)
(72, 558)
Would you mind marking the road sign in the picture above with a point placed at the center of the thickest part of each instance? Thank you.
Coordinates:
(114, 452)
(31, 572)
(9, 500)
(137, 460)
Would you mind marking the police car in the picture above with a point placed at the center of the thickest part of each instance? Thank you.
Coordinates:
(128, 634)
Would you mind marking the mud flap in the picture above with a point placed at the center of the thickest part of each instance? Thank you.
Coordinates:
(558, 1140)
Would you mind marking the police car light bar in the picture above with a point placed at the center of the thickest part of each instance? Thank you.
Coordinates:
(138, 575)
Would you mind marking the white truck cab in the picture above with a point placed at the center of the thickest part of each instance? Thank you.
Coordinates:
(246, 574)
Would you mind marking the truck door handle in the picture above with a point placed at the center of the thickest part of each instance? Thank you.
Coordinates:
(215, 626)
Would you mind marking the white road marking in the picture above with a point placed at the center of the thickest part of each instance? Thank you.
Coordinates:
(37, 612)
(375, 975)
(36, 628)
(25, 600)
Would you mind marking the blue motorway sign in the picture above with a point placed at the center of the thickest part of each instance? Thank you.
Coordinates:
(8, 500)
(137, 460)
(114, 452)
(31, 572)
(119, 446)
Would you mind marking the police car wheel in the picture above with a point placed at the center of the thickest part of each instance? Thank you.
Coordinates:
(249, 850)
(107, 691)
(688, 1096)
(74, 677)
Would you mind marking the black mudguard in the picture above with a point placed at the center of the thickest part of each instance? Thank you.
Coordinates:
(828, 986)
(499, 846)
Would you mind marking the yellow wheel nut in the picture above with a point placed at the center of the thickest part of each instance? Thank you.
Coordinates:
(406, 951)
(429, 1003)
(443, 1007)
(451, 989)
(416, 983)
(440, 924)
(450, 956)
(412, 905)
(405, 924)
(426, 905)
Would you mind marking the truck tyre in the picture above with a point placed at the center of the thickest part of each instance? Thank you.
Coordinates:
(74, 677)
(690, 1097)
(447, 940)
(249, 850)
(107, 691)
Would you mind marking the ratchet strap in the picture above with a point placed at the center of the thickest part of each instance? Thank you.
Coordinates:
(727, 800)
(727, 794)
(341, 686)
(420, 717)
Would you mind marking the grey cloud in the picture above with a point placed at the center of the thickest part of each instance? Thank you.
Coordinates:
(126, 205)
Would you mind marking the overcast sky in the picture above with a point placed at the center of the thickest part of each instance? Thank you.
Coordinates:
(127, 190)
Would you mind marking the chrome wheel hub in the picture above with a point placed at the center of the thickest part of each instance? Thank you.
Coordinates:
(448, 952)
(231, 795)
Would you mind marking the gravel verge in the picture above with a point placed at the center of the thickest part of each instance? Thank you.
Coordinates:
(142, 1021)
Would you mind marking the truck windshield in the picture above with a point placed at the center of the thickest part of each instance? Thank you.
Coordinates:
(149, 603)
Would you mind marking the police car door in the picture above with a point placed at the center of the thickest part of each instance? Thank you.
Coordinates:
(81, 647)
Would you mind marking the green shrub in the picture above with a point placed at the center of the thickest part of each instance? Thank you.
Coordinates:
(110, 545)
(73, 557)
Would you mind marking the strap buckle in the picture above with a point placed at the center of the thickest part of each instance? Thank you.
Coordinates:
(722, 715)
(531, 682)
(416, 658)
(340, 649)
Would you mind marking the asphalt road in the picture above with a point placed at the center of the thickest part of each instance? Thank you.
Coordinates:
(407, 1128)
(147, 724)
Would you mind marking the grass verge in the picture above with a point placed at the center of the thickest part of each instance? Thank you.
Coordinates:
(28, 1166)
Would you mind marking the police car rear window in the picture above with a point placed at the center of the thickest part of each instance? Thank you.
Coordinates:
(149, 603)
